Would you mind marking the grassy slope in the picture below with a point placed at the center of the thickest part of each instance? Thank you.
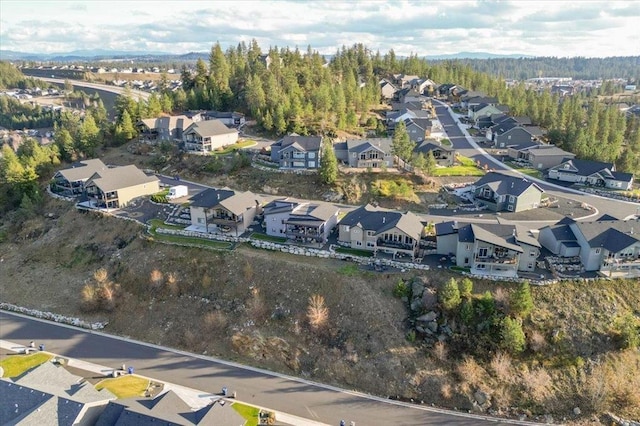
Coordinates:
(15, 365)
(252, 305)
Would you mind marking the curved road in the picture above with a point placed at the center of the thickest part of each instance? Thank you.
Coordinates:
(281, 393)
(468, 148)
(137, 94)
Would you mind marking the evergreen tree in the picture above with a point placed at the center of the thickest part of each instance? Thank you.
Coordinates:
(466, 287)
(127, 131)
(521, 301)
(402, 146)
(430, 164)
(513, 338)
(328, 164)
(449, 295)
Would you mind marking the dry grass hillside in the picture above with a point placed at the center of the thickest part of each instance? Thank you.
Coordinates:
(322, 319)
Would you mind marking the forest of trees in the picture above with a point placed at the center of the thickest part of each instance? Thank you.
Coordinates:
(578, 68)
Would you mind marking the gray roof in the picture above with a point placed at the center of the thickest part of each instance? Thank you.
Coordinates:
(219, 414)
(431, 145)
(210, 197)
(83, 170)
(506, 184)
(169, 123)
(547, 150)
(301, 210)
(612, 235)
(508, 236)
(120, 177)
(380, 220)
(361, 145)
(586, 167)
(210, 128)
(235, 202)
(562, 233)
(18, 400)
(423, 123)
(301, 143)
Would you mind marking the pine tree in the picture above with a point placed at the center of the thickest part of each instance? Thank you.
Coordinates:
(430, 164)
(328, 164)
(402, 146)
(449, 295)
(513, 338)
(521, 301)
(127, 131)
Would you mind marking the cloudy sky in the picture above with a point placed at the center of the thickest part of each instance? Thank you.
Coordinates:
(540, 28)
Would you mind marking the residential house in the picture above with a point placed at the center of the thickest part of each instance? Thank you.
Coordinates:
(444, 155)
(475, 112)
(381, 231)
(418, 129)
(488, 249)
(402, 80)
(224, 210)
(364, 153)
(297, 152)
(508, 134)
(542, 157)
(607, 245)
(505, 192)
(49, 394)
(394, 117)
(412, 106)
(472, 99)
(116, 187)
(300, 221)
(168, 408)
(409, 94)
(387, 90)
(424, 86)
(70, 181)
(208, 135)
(593, 173)
(228, 118)
(164, 128)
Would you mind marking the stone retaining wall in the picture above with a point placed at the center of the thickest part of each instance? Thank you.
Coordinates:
(53, 317)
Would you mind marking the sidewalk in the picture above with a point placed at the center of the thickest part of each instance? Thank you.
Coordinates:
(192, 397)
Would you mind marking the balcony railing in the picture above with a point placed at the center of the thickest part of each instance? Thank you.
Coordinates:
(224, 220)
(498, 260)
(395, 244)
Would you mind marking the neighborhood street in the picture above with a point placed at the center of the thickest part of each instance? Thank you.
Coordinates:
(467, 148)
(282, 393)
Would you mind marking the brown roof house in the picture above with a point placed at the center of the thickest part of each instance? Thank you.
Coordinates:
(224, 210)
(116, 187)
(70, 181)
(208, 135)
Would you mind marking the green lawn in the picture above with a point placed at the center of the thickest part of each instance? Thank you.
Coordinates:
(354, 252)
(458, 171)
(264, 237)
(531, 172)
(466, 161)
(158, 223)
(235, 147)
(349, 270)
(180, 239)
(249, 413)
(445, 142)
(15, 365)
(125, 386)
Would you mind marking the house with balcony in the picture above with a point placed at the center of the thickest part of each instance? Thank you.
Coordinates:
(208, 135)
(300, 221)
(70, 181)
(540, 157)
(169, 128)
(501, 191)
(381, 231)
(607, 245)
(593, 173)
(224, 211)
(488, 249)
(444, 155)
(297, 152)
(116, 187)
(364, 153)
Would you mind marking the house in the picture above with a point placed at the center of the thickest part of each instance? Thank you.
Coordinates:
(418, 129)
(164, 128)
(607, 245)
(49, 394)
(424, 86)
(402, 80)
(475, 112)
(507, 134)
(505, 192)
(488, 249)
(387, 90)
(168, 408)
(364, 153)
(492, 123)
(300, 221)
(70, 181)
(116, 187)
(542, 157)
(297, 152)
(409, 94)
(228, 118)
(394, 117)
(470, 100)
(593, 173)
(444, 155)
(208, 135)
(381, 231)
(224, 210)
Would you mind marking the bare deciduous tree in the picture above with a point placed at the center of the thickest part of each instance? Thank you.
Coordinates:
(317, 312)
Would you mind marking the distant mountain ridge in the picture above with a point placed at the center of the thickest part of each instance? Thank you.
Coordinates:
(104, 54)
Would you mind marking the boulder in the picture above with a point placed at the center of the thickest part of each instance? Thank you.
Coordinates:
(428, 317)
(432, 326)
(481, 397)
(577, 411)
(417, 288)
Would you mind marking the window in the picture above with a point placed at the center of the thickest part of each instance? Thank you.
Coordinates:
(312, 164)
(358, 243)
(311, 155)
(510, 207)
(483, 252)
(512, 198)
(530, 265)
(533, 253)
(468, 247)
(346, 228)
(370, 244)
(200, 220)
(371, 233)
(597, 251)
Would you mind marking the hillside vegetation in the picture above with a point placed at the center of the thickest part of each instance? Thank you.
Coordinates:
(332, 322)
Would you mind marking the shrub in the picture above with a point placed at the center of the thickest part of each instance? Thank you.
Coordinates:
(317, 312)
(411, 336)
(627, 330)
(449, 295)
(466, 287)
(401, 289)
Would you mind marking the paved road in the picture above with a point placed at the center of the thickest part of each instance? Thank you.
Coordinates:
(137, 94)
(281, 393)
(466, 147)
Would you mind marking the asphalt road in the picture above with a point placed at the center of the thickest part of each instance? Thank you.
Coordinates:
(280, 393)
(616, 208)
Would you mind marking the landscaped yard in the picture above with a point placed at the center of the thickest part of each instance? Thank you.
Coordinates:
(354, 252)
(181, 239)
(235, 147)
(264, 237)
(15, 365)
(249, 413)
(158, 223)
(530, 172)
(125, 386)
(467, 167)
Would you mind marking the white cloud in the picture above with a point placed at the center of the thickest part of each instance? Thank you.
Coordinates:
(543, 28)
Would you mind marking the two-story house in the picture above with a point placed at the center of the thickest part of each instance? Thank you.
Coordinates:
(444, 155)
(116, 187)
(70, 181)
(594, 173)
(224, 210)
(208, 135)
(488, 249)
(169, 128)
(297, 152)
(418, 129)
(300, 221)
(501, 191)
(381, 231)
(364, 153)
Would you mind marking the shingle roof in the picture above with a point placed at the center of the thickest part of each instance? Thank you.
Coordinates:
(506, 184)
(18, 400)
(507, 236)
(210, 197)
(305, 143)
(380, 220)
(82, 170)
(546, 150)
(586, 167)
(622, 177)
(241, 202)
(169, 123)
(430, 145)
(361, 145)
(562, 233)
(120, 177)
(210, 128)
(612, 235)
